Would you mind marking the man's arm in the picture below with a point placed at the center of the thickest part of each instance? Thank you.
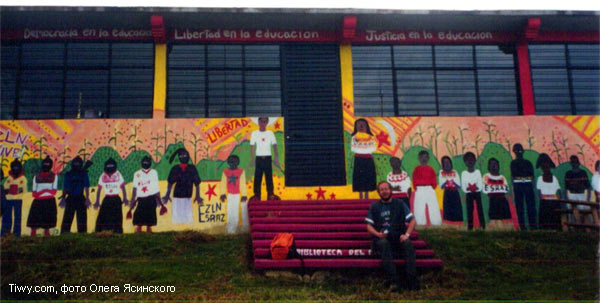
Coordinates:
(409, 230)
(375, 233)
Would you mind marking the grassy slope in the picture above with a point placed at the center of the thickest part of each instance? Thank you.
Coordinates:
(492, 265)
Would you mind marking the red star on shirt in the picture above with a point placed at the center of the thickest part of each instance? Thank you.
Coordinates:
(320, 193)
(277, 125)
(472, 187)
(144, 189)
(263, 139)
(211, 191)
(383, 138)
(332, 196)
(308, 196)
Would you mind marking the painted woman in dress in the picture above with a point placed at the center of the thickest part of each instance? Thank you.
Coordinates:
(548, 189)
(43, 209)
(146, 195)
(110, 216)
(496, 187)
(363, 147)
(450, 182)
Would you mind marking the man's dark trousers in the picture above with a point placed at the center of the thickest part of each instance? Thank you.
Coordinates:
(387, 247)
(263, 166)
(525, 190)
(75, 204)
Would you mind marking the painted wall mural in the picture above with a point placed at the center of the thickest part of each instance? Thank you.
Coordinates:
(220, 151)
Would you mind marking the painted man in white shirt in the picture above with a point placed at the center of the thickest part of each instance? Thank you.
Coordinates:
(261, 141)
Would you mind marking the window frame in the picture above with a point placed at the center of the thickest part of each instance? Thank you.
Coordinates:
(435, 69)
(243, 69)
(66, 68)
(568, 67)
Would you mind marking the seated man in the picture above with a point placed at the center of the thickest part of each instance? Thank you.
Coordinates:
(386, 222)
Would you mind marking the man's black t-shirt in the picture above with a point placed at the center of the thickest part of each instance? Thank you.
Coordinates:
(389, 217)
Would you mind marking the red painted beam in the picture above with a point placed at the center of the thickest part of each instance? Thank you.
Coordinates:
(158, 29)
(338, 263)
(349, 29)
(525, 80)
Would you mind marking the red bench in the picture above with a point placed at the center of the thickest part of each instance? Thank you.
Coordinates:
(328, 234)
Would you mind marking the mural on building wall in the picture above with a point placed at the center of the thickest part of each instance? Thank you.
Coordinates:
(220, 149)
(207, 146)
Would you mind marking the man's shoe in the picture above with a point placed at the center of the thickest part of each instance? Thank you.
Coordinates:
(273, 197)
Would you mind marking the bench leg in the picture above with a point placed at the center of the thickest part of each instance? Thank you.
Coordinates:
(563, 222)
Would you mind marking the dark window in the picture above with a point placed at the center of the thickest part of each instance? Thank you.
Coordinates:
(70, 80)
(566, 78)
(223, 80)
(444, 80)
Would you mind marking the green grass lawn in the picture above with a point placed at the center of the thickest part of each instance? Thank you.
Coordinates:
(478, 266)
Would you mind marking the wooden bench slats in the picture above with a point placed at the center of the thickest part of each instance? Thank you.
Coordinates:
(307, 213)
(323, 235)
(338, 253)
(308, 202)
(307, 227)
(336, 206)
(308, 220)
(338, 263)
(331, 243)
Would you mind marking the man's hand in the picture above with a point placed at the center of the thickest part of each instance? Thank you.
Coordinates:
(62, 202)
(381, 235)
(199, 200)
(166, 199)
(223, 198)
(403, 238)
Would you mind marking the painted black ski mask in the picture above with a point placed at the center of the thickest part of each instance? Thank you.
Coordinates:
(110, 166)
(183, 155)
(46, 164)
(16, 168)
(77, 164)
(146, 163)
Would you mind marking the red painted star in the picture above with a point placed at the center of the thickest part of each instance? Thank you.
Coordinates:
(308, 196)
(211, 191)
(144, 189)
(472, 187)
(332, 196)
(277, 125)
(320, 193)
(383, 138)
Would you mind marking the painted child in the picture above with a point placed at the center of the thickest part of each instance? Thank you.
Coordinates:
(521, 171)
(14, 188)
(76, 184)
(548, 188)
(233, 182)
(110, 216)
(43, 209)
(496, 187)
(424, 182)
(450, 183)
(146, 194)
(185, 177)
(472, 184)
(363, 146)
(400, 182)
(577, 184)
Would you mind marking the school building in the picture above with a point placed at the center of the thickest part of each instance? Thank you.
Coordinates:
(104, 82)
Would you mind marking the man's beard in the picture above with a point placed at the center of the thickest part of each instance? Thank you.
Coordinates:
(385, 198)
